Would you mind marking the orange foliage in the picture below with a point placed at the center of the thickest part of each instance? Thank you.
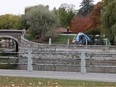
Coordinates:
(80, 24)
(92, 21)
(96, 15)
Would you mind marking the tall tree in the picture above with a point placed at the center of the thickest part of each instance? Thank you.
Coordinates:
(41, 22)
(109, 19)
(66, 12)
(96, 16)
(90, 21)
(86, 7)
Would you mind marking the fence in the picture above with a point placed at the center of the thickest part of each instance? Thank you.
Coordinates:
(75, 59)
(59, 59)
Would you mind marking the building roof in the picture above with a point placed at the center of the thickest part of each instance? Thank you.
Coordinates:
(62, 30)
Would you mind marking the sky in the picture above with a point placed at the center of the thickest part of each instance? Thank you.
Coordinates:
(17, 7)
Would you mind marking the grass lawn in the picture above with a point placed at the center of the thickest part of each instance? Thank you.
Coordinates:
(29, 37)
(36, 82)
(61, 39)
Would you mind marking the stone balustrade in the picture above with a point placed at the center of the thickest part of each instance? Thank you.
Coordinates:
(47, 59)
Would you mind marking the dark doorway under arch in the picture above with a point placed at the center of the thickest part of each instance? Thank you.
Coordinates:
(17, 48)
(8, 43)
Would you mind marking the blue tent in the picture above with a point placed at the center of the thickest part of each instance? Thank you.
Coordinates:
(82, 38)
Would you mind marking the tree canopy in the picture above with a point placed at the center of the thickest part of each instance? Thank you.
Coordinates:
(9, 21)
(86, 8)
(90, 21)
(65, 12)
(41, 22)
(80, 24)
(96, 16)
(109, 19)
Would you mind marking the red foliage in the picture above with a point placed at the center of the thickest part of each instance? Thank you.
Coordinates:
(96, 15)
(80, 24)
(92, 21)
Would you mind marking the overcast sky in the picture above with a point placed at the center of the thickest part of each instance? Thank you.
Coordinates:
(18, 6)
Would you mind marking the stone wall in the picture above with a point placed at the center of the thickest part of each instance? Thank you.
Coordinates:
(49, 60)
(29, 44)
(65, 57)
(13, 34)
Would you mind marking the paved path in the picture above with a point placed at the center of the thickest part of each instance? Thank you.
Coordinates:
(61, 75)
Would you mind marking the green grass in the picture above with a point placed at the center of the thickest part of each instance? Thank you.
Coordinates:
(37, 82)
(61, 39)
(29, 37)
(8, 66)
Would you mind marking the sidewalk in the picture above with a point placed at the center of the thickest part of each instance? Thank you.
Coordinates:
(61, 75)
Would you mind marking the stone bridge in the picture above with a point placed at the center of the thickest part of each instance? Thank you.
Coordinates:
(15, 35)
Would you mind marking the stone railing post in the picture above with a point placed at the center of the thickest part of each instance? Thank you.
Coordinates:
(83, 62)
(50, 41)
(86, 42)
(29, 65)
(68, 42)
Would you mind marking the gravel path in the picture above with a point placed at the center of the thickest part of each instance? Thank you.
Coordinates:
(61, 75)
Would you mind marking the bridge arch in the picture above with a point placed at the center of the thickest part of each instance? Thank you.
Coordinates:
(11, 37)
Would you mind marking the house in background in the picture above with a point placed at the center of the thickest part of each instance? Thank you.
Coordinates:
(63, 30)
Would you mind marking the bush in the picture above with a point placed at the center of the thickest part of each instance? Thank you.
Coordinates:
(93, 32)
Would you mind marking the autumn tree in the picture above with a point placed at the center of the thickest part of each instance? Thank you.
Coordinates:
(82, 21)
(109, 19)
(92, 20)
(96, 16)
(80, 24)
